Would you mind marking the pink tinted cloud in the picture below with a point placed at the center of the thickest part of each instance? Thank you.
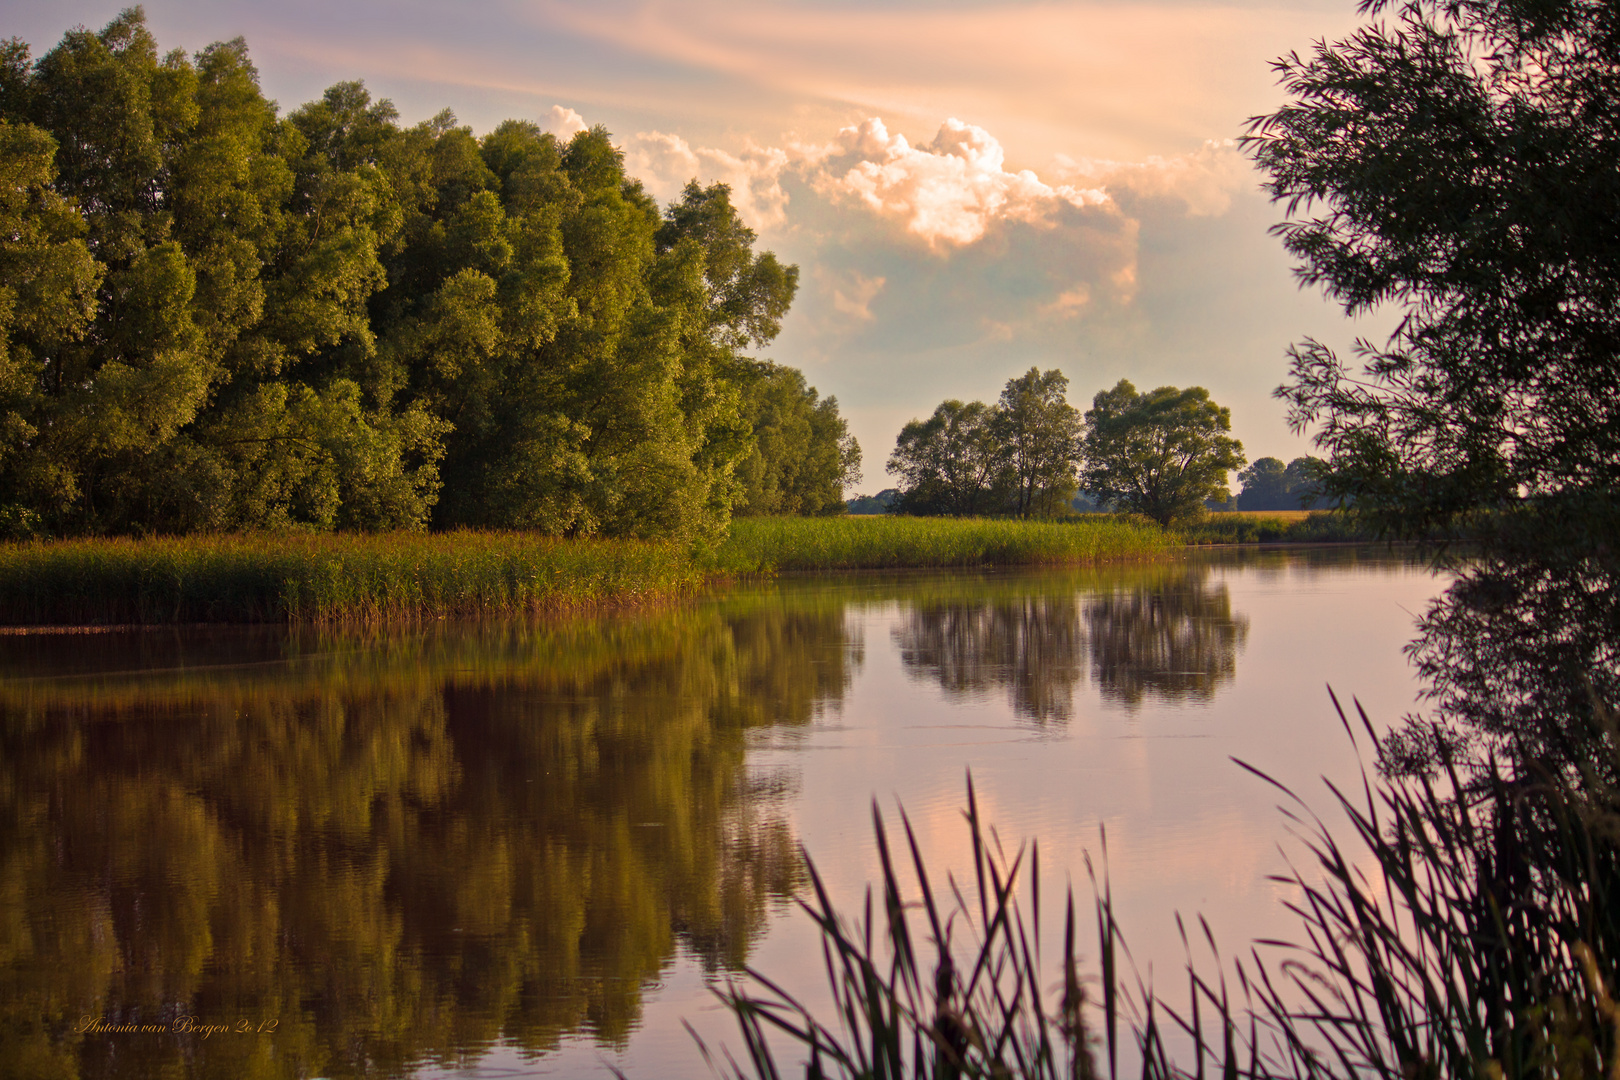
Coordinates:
(947, 191)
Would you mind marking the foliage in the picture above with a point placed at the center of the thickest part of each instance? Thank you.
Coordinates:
(213, 317)
(1041, 432)
(951, 463)
(765, 545)
(1279, 527)
(1017, 456)
(1457, 161)
(1268, 484)
(802, 455)
(1162, 453)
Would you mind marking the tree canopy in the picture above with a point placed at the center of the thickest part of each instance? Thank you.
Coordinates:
(1162, 453)
(802, 456)
(213, 316)
(1459, 162)
(1016, 457)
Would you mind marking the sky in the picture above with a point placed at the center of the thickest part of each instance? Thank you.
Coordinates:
(969, 188)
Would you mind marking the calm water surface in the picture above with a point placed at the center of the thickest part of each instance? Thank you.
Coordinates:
(504, 849)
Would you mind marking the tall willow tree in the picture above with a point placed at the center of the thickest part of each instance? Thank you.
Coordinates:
(214, 317)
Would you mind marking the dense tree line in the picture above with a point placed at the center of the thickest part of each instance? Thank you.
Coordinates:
(214, 317)
(1164, 453)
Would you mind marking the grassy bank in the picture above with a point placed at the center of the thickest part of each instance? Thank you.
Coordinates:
(763, 545)
(320, 578)
(1278, 527)
(269, 578)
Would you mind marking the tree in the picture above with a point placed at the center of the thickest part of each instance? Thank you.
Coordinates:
(803, 455)
(1015, 457)
(1041, 435)
(1458, 163)
(213, 317)
(1268, 484)
(952, 463)
(1162, 453)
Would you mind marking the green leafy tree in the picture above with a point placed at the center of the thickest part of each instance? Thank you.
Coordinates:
(1041, 435)
(803, 455)
(1456, 167)
(1162, 453)
(213, 317)
(954, 462)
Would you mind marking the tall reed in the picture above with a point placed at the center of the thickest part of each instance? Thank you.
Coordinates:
(1480, 948)
(308, 577)
(879, 541)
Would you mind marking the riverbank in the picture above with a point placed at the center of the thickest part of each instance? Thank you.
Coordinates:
(265, 577)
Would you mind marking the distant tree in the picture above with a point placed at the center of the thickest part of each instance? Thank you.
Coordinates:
(802, 456)
(1162, 453)
(952, 463)
(874, 504)
(1040, 434)
(1268, 484)
(1015, 457)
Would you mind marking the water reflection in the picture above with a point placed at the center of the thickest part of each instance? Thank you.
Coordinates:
(1166, 633)
(1174, 640)
(398, 847)
(390, 849)
(1522, 660)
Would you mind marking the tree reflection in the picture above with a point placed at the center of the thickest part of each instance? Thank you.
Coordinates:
(1031, 646)
(1519, 655)
(1174, 641)
(1165, 633)
(395, 848)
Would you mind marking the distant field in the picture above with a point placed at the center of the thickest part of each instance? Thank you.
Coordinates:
(1276, 527)
(1283, 515)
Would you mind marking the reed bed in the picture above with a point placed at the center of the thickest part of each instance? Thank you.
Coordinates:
(1481, 944)
(1278, 527)
(323, 578)
(765, 545)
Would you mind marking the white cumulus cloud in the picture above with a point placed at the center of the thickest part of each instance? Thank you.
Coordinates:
(563, 122)
(665, 163)
(1204, 181)
(946, 192)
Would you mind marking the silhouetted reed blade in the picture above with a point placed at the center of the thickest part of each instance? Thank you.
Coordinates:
(906, 1007)
(1480, 948)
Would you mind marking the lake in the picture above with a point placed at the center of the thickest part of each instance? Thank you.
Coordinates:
(529, 848)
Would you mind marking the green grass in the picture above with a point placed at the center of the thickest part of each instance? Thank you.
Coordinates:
(300, 577)
(765, 545)
(1277, 527)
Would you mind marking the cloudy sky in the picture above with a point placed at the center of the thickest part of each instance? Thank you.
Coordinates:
(969, 187)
